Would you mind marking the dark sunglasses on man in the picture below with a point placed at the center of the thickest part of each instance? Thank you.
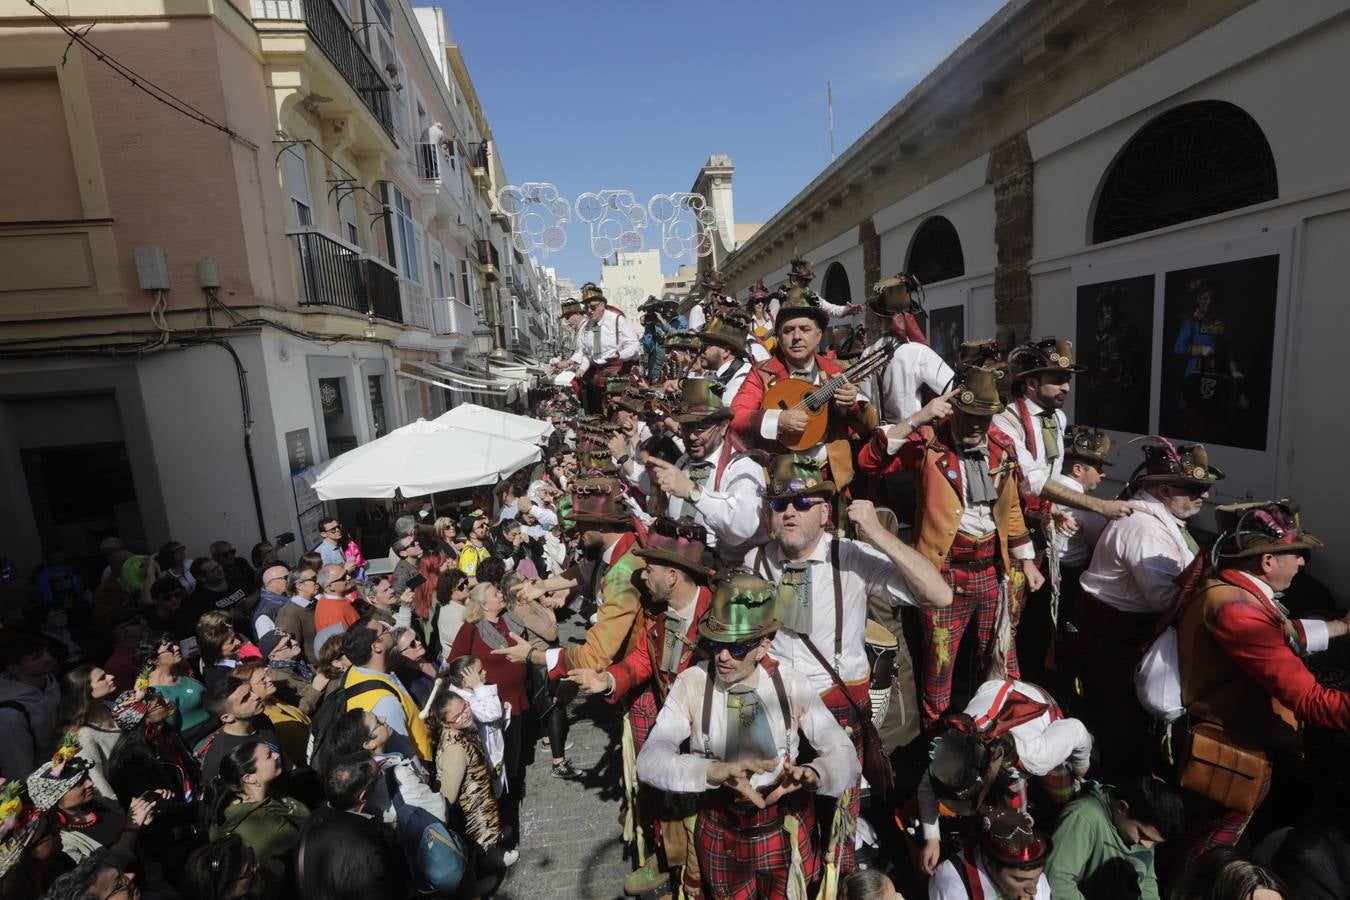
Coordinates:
(737, 650)
(801, 504)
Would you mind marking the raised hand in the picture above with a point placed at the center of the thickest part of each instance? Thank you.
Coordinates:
(518, 652)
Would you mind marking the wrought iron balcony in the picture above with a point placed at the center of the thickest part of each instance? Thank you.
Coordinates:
(333, 33)
(333, 273)
(429, 162)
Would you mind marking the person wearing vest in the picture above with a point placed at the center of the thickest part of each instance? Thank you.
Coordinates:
(715, 484)
(1006, 862)
(825, 583)
(800, 327)
(1014, 732)
(1241, 655)
(676, 602)
(725, 353)
(713, 284)
(607, 347)
(914, 366)
(368, 644)
(1086, 457)
(606, 528)
(968, 523)
(1128, 585)
(743, 717)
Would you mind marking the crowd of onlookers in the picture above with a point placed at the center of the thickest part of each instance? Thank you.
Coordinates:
(320, 724)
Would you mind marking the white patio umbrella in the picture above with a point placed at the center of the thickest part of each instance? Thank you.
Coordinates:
(494, 421)
(422, 458)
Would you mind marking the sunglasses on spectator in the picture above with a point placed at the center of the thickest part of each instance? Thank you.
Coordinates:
(801, 504)
(737, 650)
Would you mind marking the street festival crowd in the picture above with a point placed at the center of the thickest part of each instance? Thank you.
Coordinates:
(870, 626)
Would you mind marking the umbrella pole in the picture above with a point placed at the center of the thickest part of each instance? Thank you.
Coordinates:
(434, 513)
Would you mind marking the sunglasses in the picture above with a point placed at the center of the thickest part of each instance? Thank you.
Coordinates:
(801, 504)
(307, 581)
(739, 650)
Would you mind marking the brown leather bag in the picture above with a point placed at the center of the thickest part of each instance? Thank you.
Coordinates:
(1223, 766)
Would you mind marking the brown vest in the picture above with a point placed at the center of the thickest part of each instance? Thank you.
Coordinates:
(1214, 688)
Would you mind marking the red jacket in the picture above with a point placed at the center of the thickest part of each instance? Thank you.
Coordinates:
(635, 669)
(510, 678)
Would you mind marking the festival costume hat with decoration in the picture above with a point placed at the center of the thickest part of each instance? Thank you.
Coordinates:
(801, 269)
(847, 342)
(758, 292)
(596, 463)
(795, 475)
(1260, 527)
(713, 281)
(679, 544)
(54, 778)
(21, 824)
(591, 291)
(1009, 839)
(727, 330)
(961, 766)
(682, 340)
(701, 401)
(1164, 463)
(599, 501)
(801, 305)
(1089, 445)
(984, 352)
(572, 306)
(744, 608)
(618, 394)
(977, 392)
(900, 297)
(1047, 356)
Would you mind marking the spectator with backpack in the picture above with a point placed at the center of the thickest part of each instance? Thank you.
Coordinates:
(29, 697)
(369, 646)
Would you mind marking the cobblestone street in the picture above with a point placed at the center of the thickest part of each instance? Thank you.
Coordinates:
(571, 839)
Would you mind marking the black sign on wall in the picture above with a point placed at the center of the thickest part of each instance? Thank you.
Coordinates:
(299, 450)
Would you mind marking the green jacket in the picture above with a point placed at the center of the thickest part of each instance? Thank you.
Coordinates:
(270, 828)
(1085, 840)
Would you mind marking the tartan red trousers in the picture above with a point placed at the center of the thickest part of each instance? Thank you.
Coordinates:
(1209, 825)
(971, 570)
(843, 713)
(744, 853)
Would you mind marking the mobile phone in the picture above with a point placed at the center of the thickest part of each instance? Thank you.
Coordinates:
(284, 539)
(415, 582)
(189, 646)
(150, 797)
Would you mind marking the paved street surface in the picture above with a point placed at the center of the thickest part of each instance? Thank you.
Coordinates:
(571, 839)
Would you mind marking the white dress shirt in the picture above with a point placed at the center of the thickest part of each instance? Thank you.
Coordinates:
(913, 366)
(1076, 549)
(864, 572)
(947, 883)
(661, 764)
(697, 317)
(733, 384)
(731, 511)
(1138, 558)
(1041, 744)
(617, 341)
(1036, 469)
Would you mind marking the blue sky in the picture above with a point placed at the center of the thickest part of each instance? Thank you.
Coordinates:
(592, 95)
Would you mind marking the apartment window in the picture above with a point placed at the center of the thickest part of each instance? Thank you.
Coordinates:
(375, 389)
(36, 185)
(450, 269)
(407, 235)
(295, 169)
(349, 214)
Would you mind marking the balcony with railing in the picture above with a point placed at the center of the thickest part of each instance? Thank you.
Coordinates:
(416, 309)
(332, 32)
(478, 165)
(488, 260)
(451, 317)
(335, 273)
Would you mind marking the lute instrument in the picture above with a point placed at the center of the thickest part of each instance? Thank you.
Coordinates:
(814, 400)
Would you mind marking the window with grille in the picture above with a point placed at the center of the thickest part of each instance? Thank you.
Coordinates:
(1197, 160)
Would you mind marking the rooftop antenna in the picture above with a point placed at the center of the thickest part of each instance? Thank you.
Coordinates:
(829, 102)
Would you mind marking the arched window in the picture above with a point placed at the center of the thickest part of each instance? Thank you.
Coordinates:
(835, 287)
(1194, 161)
(935, 253)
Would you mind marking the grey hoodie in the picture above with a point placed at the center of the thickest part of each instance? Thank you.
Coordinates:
(28, 740)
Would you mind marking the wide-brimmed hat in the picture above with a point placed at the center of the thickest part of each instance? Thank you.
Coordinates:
(1086, 444)
(985, 352)
(54, 778)
(727, 331)
(1259, 527)
(847, 341)
(1166, 463)
(591, 463)
(618, 392)
(897, 294)
(977, 391)
(713, 281)
(960, 767)
(572, 306)
(701, 400)
(1010, 838)
(744, 608)
(799, 304)
(681, 340)
(678, 544)
(1048, 355)
(800, 268)
(598, 501)
(795, 475)
(758, 292)
(591, 291)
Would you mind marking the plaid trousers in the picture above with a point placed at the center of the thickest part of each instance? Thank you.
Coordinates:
(975, 588)
(1209, 825)
(744, 853)
(843, 713)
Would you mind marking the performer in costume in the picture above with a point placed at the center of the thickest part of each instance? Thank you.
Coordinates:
(607, 347)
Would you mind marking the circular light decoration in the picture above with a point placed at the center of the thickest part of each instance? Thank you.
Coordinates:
(537, 213)
(616, 220)
(687, 223)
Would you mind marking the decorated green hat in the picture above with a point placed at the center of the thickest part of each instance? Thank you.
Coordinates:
(682, 340)
(619, 393)
(1260, 527)
(701, 399)
(727, 330)
(598, 501)
(1166, 463)
(1085, 444)
(1048, 355)
(596, 463)
(897, 294)
(798, 304)
(795, 475)
(744, 608)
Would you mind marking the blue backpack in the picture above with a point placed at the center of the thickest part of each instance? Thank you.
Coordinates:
(436, 855)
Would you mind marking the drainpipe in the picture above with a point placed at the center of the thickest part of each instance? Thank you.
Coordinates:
(242, 375)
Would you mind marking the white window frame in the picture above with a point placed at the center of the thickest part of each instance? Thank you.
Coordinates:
(407, 236)
(295, 172)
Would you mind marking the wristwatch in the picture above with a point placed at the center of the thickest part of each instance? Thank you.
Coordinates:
(622, 460)
(695, 494)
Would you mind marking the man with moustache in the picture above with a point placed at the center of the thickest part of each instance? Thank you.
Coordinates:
(743, 717)
(968, 523)
(607, 347)
(676, 602)
(824, 585)
(725, 357)
(1130, 582)
(714, 484)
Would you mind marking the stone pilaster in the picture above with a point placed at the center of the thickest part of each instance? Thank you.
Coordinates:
(1011, 173)
(871, 244)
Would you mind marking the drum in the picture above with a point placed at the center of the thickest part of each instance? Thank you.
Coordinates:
(881, 647)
